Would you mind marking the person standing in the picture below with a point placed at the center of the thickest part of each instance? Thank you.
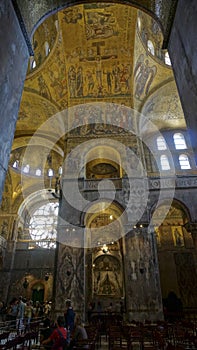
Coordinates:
(69, 316)
(28, 313)
(21, 314)
(13, 312)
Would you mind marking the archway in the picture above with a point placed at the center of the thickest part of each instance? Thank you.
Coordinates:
(104, 256)
(38, 292)
(176, 258)
(103, 162)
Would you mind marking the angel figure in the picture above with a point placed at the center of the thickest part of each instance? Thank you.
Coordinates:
(143, 75)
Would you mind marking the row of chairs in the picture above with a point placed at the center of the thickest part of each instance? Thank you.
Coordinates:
(153, 337)
(23, 341)
(11, 339)
(93, 340)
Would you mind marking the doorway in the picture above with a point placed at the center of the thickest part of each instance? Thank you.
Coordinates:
(38, 293)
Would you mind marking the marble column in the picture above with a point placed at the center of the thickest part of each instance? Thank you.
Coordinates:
(143, 299)
(14, 59)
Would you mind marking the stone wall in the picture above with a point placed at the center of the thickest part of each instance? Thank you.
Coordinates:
(183, 54)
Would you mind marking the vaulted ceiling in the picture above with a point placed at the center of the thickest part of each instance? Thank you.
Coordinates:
(91, 53)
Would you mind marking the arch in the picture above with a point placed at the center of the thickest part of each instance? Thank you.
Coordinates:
(165, 95)
(93, 206)
(104, 223)
(107, 276)
(42, 226)
(38, 290)
(104, 229)
(34, 206)
(103, 162)
(162, 12)
(177, 203)
(32, 201)
(175, 250)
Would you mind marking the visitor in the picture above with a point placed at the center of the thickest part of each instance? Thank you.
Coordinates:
(80, 336)
(58, 337)
(69, 316)
(12, 312)
(46, 332)
(21, 315)
(28, 313)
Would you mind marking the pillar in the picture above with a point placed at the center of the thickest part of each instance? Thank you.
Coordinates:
(14, 59)
(143, 299)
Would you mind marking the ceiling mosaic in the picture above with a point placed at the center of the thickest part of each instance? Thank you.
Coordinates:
(95, 52)
(164, 107)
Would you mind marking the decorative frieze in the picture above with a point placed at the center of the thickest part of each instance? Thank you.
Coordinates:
(172, 182)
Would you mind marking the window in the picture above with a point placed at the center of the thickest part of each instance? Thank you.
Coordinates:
(33, 65)
(43, 224)
(167, 59)
(38, 172)
(60, 170)
(184, 161)
(15, 164)
(47, 48)
(161, 143)
(164, 162)
(179, 141)
(50, 172)
(151, 47)
(26, 169)
(139, 23)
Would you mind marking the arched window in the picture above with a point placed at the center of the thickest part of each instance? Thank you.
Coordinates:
(33, 65)
(50, 173)
(139, 23)
(179, 141)
(164, 162)
(38, 172)
(167, 59)
(16, 164)
(151, 48)
(184, 161)
(161, 143)
(26, 169)
(57, 25)
(60, 170)
(43, 225)
(47, 48)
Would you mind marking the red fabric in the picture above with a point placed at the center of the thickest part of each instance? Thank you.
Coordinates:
(56, 337)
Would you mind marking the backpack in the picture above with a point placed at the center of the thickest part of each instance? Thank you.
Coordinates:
(62, 342)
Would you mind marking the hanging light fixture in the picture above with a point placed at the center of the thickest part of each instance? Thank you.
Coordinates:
(105, 249)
